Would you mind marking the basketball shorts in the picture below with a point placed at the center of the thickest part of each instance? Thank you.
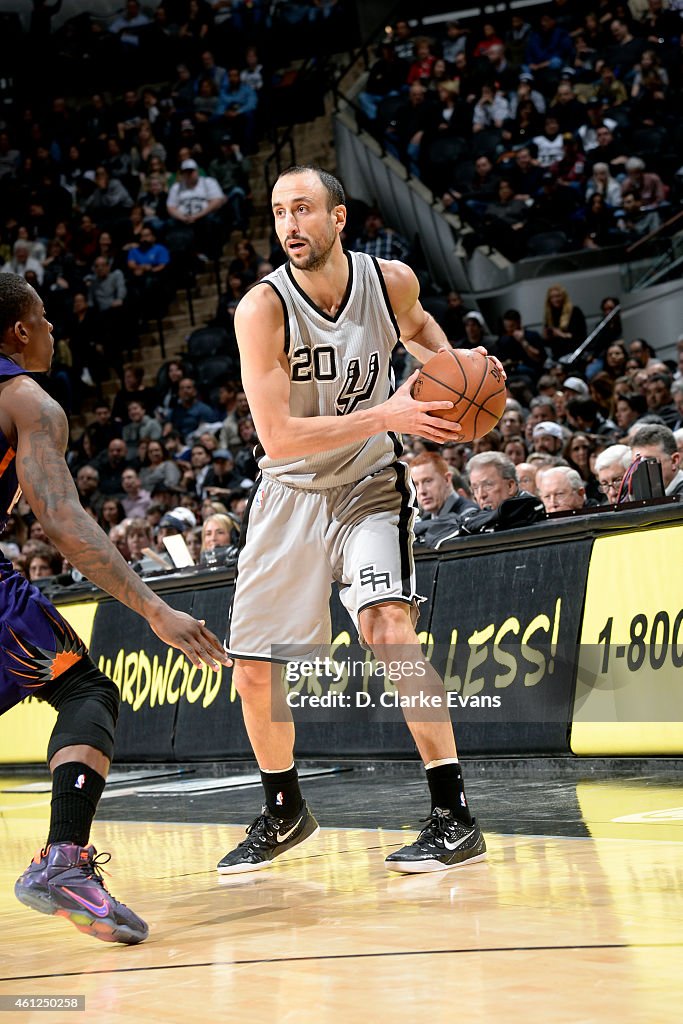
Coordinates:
(36, 644)
(297, 543)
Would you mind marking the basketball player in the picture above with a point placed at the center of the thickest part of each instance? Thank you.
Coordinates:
(40, 654)
(333, 501)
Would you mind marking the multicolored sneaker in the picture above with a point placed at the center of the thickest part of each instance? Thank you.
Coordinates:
(267, 838)
(66, 879)
(443, 843)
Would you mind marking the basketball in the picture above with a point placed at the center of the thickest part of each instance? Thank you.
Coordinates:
(472, 382)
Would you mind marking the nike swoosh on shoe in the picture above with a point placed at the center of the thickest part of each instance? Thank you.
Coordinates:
(100, 911)
(283, 838)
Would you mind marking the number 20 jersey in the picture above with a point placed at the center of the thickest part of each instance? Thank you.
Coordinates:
(337, 364)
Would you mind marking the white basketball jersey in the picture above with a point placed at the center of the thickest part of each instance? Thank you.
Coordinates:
(337, 364)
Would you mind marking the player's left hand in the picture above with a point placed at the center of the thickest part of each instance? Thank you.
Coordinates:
(177, 629)
(484, 352)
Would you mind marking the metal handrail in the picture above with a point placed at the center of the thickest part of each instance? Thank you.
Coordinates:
(572, 357)
(653, 234)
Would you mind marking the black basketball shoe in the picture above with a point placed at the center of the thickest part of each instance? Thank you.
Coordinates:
(267, 838)
(443, 843)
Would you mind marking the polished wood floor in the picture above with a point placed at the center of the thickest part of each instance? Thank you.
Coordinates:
(547, 931)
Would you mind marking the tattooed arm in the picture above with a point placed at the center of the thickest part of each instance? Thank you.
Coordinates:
(42, 434)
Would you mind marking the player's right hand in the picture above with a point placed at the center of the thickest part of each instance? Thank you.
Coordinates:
(177, 629)
(406, 415)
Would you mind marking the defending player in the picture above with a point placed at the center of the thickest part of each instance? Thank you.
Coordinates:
(333, 501)
(40, 654)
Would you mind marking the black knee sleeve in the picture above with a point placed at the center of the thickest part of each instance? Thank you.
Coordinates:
(87, 705)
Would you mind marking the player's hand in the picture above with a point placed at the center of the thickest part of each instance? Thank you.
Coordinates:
(177, 629)
(499, 366)
(407, 416)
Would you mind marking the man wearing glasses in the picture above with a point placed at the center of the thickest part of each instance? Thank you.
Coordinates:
(610, 466)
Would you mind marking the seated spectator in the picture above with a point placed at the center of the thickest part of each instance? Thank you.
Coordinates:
(236, 110)
(554, 205)
(218, 531)
(564, 323)
(626, 50)
(110, 202)
(505, 222)
(611, 90)
(245, 262)
(566, 108)
(645, 184)
(652, 441)
(136, 500)
(230, 168)
(595, 227)
(153, 200)
(490, 110)
(413, 118)
(550, 144)
(548, 437)
(602, 183)
(110, 464)
(636, 222)
(386, 78)
(436, 497)
(158, 467)
(610, 466)
(190, 412)
(524, 175)
(549, 49)
(23, 263)
(630, 407)
(660, 400)
(420, 69)
(222, 478)
(651, 65)
(44, 562)
(608, 150)
(524, 127)
(526, 475)
(520, 350)
(134, 390)
(196, 201)
(139, 426)
(475, 330)
(584, 414)
(493, 479)
(380, 241)
(88, 486)
(516, 450)
(148, 264)
(111, 514)
(455, 41)
(489, 38)
(561, 489)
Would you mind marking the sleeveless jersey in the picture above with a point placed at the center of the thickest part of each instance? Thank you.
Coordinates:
(10, 491)
(337, 364)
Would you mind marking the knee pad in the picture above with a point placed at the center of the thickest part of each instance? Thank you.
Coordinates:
(87, 704)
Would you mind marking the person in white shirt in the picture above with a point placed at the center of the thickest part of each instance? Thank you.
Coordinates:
(197, 201)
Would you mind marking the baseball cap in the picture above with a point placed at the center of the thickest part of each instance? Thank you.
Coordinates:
(179, 518)
(526, 76)
(223, 453)
(548, 427)
(187, 125)
(474, 314)
(189, 165)
(575, 384)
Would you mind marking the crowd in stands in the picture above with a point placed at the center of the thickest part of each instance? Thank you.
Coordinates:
(101, 199)
(557, 127)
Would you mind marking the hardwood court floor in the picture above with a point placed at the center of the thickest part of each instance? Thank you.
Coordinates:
(552, 929)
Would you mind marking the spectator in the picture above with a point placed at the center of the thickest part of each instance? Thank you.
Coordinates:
(136, 500)
(88, 486)
(190, 411)
(584, 414)
(140, 426)
(436, 497)
(230, 168)
(602, 183)
(630, 407)
(134, 389)
(549, 145)
(564, 323)
(490, 110)
(610, 466)
(524, 175)
(636, 222)
(626, 49)
(595, 228)
(505, 222)
(218, 531)
(548, 437)
(644, 184)
(111, 514)
(516, 450)
(549, 49)
(607, 150)
(236, 109)
(110, 202)
(110, 464)
(660, 400)
(561, 489)
(23, 263)
(386, 78)
(526, 475)
(148, 264)
(45, 561)
(520, 350)
(475, 330)
(652, 441)
(493, 479)
(196, 202)
(158, 467)
(222, 478)
(380, 241)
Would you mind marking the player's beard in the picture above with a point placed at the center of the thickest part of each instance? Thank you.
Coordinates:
(318, 254)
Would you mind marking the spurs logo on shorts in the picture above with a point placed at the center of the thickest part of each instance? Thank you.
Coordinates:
(376, 580)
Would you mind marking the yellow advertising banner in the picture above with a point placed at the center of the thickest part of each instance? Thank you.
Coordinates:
(26, 728)
(629, 698)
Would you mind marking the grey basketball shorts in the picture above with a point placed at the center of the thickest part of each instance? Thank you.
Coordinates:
(297, 543)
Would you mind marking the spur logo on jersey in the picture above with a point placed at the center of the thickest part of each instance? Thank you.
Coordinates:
(319, 364)
(353, 390)
(376, 580)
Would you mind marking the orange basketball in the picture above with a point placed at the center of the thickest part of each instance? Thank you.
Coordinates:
(472, 382)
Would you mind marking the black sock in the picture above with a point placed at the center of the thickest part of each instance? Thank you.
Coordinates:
(283, 796)
(448, 791)
(76, 792)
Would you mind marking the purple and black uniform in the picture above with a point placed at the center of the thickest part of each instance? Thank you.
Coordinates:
(36, 644)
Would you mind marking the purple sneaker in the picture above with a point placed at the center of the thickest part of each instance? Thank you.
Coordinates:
(66, 879)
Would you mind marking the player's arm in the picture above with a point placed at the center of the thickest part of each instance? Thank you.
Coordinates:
(260, 331)
(420, 332)
(42, 434)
